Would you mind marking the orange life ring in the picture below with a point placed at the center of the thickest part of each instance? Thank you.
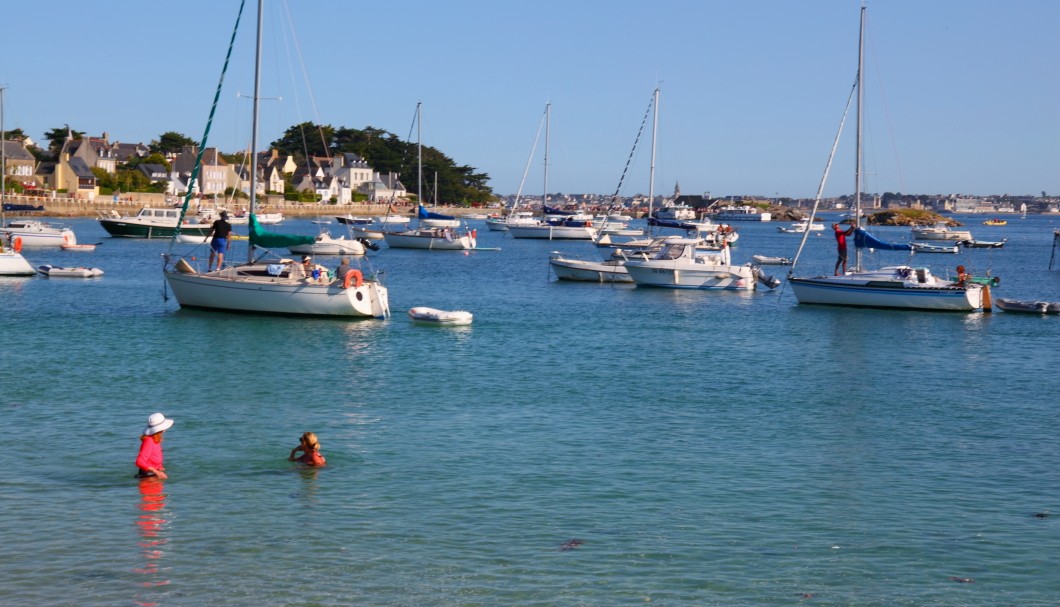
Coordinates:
(16, 244)
(353, 276)
(588, 224)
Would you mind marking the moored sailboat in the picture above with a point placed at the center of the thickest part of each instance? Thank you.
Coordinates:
(900, 286)
(269, 284)
(422, 236)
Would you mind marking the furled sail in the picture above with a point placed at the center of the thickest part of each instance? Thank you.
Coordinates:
(272, 240)
(425, 214)
(864, 240)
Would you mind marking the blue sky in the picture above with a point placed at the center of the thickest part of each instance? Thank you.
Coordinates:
(961, 96)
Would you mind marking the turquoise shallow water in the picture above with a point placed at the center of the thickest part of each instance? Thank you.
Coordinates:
(706, 448)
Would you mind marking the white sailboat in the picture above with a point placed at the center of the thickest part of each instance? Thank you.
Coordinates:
(12, 263)
(423, 237)
(903, 286)
(561, 228)
(271, 285)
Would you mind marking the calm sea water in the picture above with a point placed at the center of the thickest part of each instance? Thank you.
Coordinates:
(703, 448)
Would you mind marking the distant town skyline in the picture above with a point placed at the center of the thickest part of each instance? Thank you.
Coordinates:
(752, 93)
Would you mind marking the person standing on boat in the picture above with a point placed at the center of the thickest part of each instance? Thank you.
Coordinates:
(149, 460)
(221, 230)
(309, 446)
(841, 243)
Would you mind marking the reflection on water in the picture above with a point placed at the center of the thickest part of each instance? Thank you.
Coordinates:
(152, 541)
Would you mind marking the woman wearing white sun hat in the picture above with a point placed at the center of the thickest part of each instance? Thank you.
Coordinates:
(149, 460)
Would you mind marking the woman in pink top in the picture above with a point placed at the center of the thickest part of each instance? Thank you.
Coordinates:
(149, 460)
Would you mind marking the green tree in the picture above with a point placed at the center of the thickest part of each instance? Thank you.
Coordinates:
(170, 142)
(57, 137)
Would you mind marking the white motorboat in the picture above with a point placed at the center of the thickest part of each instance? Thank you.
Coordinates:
(448, 318)
(272, 286)
(677, 212)
(326, 244)
(36, 233)
(60, 272)
(567, 268)
(741, 213)
(801, 226)
(678, 265)
(939, 232)
(900, 287)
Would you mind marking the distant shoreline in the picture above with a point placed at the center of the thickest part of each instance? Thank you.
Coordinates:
(130, 204)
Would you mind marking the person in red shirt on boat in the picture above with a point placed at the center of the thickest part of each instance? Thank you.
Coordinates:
(310, 448)
(149, 460)
(841, 242)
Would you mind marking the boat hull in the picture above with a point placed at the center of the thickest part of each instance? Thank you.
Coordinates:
(122, 228)
(869, 293)
(654, 273)
(14, 264)
(589, 271)
(548, 232)
(415, 240)
(229, 292)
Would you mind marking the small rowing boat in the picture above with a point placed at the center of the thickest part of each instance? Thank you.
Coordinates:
(1027, 306)
(984, 244)
(766, 260)
(79, 248)
(919, 247)
(431, 316)
(58, 272)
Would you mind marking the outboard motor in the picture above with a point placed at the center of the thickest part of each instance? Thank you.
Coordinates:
(368, 244)
(770, 281)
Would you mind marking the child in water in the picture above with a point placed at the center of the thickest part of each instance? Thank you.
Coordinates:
(310, 448)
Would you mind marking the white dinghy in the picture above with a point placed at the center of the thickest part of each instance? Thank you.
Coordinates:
(432, 316)
(59, 272)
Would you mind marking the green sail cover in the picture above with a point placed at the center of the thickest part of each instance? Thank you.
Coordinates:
(272, 240)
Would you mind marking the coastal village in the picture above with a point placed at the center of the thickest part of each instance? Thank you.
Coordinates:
(69, 186)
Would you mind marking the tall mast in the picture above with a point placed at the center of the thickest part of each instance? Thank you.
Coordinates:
(254, 126)
(861, 102)
(3, 156)
(654, 130)
(548, 120)
(419, 151)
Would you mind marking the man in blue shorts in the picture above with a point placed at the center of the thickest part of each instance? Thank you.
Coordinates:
(221, 231)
